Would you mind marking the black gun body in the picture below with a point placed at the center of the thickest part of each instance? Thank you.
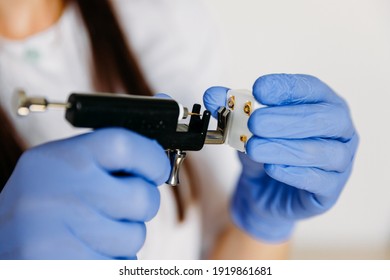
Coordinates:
(155, 118)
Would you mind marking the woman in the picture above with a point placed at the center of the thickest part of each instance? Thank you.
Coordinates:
(63, 199)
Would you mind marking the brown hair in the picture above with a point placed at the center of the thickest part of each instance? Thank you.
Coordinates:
(11, 147)
(114, 64)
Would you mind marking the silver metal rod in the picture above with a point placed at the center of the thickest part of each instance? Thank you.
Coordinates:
(58, 105)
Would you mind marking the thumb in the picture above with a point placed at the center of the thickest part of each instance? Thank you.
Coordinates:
(214, 98)
(162, 96)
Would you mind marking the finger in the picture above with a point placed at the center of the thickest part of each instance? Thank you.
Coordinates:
(121, 150)
(214, 98)
(325, 154)
(70, 250)
(302, 121)
(53, 243)
(115, 239)
(284, 89)
(126, 198)
(325, 185)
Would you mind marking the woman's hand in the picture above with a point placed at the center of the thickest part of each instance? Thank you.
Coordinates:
(86, 197)
(299, 158)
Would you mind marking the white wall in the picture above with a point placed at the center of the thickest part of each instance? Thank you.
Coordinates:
(346, 43)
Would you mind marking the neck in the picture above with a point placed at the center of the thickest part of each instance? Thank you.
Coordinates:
(22, 18)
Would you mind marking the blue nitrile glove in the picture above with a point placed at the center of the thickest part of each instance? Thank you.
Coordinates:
(299, 158)
(85, 197)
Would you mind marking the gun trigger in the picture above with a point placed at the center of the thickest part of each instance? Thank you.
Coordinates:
(176, 158)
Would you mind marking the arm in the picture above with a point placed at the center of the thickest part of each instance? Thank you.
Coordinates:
(235, 244)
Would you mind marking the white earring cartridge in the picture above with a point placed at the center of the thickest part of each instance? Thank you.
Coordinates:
(241, 104)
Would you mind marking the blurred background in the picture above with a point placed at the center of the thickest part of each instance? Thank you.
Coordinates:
(346, 44)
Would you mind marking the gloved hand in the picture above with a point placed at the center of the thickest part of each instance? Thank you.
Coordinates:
(299, 157)
(86, 197)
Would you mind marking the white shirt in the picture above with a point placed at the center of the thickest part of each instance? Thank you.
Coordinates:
(176, 48)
